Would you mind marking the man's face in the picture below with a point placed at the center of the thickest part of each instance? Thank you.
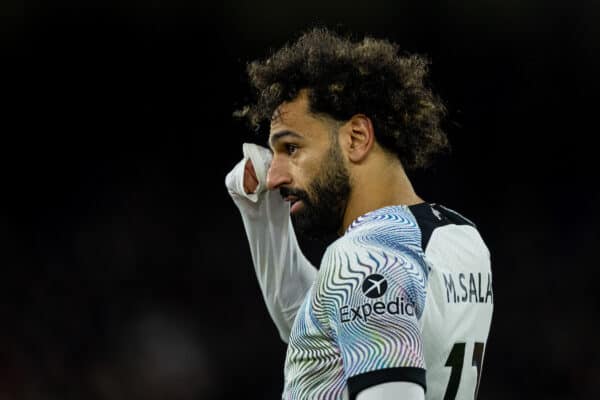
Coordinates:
(308, 168)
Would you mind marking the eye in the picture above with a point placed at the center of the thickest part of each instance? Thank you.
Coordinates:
(290, 148)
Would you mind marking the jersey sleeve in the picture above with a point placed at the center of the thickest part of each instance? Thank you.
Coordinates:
(373, 296)
(284, 274)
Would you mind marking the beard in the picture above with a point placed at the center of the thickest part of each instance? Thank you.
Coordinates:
(324, 203)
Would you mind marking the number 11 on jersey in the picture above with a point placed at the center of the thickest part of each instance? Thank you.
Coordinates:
(456, 360)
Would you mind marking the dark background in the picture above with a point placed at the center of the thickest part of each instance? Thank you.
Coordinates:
(125, 269)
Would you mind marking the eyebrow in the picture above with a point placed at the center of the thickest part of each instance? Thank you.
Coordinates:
(277, 136)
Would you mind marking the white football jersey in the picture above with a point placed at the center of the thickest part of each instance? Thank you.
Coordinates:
(405, 294)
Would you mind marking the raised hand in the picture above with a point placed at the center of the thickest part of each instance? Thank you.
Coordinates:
(250, 179)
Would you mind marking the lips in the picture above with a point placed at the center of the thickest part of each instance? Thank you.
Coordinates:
(295, 203)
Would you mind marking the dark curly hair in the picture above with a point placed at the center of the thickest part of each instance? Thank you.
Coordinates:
(344, 78)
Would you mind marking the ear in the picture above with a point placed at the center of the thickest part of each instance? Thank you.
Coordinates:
(361, 137)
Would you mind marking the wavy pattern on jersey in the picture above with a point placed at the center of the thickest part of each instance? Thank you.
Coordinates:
(393, 227)
(386, 340)
(394, 230)
(313, 367)
(323, 352)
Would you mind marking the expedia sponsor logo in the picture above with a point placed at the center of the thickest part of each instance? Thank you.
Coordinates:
(375, 286)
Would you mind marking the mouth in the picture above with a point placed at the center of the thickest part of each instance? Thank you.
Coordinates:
(295, 203)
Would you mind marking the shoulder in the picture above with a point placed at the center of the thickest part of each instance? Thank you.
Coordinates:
(391, 229)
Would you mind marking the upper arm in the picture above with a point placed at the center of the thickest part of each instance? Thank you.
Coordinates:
(374, 297)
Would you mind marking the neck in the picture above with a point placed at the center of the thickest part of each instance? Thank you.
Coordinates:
(378, 185)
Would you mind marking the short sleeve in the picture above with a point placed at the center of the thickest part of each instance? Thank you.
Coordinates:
(374, 297)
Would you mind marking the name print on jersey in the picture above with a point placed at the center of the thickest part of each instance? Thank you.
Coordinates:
(375, 286)
(469, 288)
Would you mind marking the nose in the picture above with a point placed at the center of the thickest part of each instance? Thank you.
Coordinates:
(278, 174)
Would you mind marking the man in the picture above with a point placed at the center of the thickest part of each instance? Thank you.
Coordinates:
(401, 305)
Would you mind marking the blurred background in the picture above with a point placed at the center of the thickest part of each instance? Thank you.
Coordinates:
(125, 269)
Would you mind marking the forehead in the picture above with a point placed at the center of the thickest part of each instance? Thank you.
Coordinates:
(295, 116)
(291, 114)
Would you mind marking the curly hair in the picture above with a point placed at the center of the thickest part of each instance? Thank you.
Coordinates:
(344, 78)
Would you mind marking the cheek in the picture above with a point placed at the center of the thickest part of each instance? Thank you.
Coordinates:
(307, 168)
